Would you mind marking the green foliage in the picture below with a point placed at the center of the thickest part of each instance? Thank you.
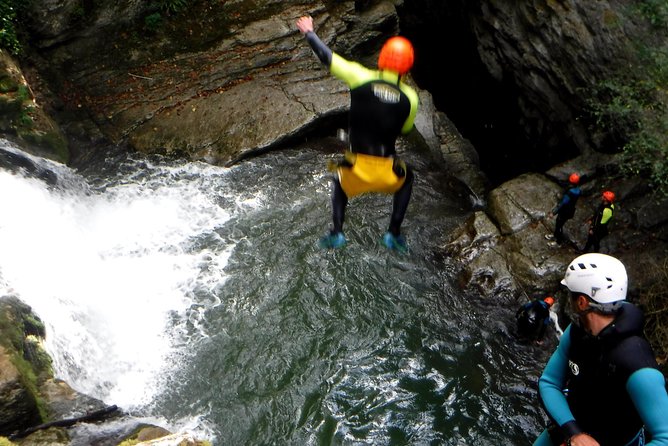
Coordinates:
(172, 6)
(153, 22)
(633, 108)
(8, 36)
(656, 11)
(23, 93)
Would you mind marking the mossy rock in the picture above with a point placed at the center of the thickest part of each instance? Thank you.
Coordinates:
(21, 333)
(50, 144)
(21, 116)
(53, 436)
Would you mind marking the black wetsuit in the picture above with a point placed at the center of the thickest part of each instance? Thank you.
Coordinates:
(532, 320)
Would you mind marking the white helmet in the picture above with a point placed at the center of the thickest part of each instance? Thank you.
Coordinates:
(599, 276)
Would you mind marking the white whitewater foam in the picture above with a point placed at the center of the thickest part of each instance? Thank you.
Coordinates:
(106, 272)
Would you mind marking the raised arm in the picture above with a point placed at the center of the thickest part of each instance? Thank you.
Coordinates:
(305, 26)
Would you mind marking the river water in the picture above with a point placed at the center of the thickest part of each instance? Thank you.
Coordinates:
(196, 295)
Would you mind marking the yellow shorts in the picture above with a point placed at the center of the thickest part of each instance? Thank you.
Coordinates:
(369, 173)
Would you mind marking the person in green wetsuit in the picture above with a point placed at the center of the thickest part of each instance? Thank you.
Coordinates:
(382, 107)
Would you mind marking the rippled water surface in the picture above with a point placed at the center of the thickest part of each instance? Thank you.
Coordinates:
(198, 295)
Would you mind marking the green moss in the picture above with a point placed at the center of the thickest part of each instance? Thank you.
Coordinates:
(611, 18)
(11, 331)
(8, 84)
(14, 318)
(29, 381)
(52, 142)
(5, 442)
(18, 328)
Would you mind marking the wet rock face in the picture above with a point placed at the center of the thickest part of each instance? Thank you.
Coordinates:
(210, 83)
(552, 50)
(223, 78)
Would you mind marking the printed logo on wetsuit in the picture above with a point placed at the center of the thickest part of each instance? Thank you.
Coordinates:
(386, 93)
(575, 370)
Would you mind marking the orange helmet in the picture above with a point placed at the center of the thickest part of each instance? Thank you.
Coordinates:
(609, 196)
(549, 300)
(574, 178)
(397, 55)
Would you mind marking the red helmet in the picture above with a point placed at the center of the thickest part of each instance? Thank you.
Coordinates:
(396, 55)
(574, 178)
(609, 196)
(549, 300)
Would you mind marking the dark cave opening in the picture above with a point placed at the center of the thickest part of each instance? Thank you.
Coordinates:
(485, 111)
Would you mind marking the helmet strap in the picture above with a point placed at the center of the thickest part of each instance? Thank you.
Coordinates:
(608, 309)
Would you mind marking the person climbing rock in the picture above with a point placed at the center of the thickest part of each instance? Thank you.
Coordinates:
(598, 223)
(565, 210)
(533, 318)
(382, 107)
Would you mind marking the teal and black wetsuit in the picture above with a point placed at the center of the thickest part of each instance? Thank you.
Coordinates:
(564, 211)
(381, 108)
(613, 386)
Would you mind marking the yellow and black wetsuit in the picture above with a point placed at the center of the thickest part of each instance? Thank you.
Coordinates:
(381, 108)
(599, 226)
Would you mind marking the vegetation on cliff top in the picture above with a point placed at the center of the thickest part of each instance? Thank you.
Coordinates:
(632, 106)
(8, 16)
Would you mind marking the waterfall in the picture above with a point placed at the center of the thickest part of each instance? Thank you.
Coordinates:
(109, 270)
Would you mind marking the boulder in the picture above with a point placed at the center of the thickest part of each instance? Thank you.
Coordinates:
(503, 251)
(521, 201)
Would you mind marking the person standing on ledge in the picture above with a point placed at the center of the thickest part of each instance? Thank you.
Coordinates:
(565, 210)
(382, 107)
(598, 224)
(602, 385)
